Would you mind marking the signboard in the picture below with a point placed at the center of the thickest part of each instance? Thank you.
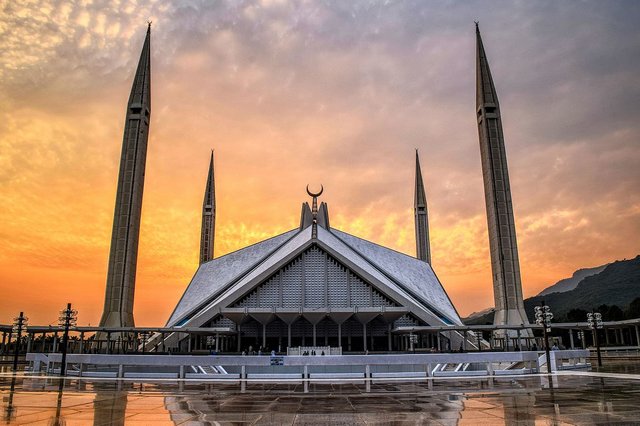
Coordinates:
(277, 360)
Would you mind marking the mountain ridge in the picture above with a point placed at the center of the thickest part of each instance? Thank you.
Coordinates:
(618, 283)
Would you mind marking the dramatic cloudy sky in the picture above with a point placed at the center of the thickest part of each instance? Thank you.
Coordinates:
(290, 93)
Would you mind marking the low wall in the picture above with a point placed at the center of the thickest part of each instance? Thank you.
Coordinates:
(432, 365)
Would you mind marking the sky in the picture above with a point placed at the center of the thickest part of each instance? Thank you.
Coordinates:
(311, 92)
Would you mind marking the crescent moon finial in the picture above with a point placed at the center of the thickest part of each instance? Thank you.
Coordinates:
(311, 194)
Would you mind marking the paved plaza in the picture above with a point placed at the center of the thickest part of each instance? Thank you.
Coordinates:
(611, 396)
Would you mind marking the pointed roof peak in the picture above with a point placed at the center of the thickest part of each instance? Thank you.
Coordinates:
(210, 190)
(141, 89)
(485, 89)
(420, 199)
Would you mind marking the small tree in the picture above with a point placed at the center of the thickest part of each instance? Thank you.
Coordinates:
(634, 309)
(615, 313)
(577, 315)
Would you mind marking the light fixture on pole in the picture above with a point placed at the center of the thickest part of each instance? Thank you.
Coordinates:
(543, 317)
(594, 319)
(479, 337)
(19, 324)
(144, 335)
(68, 318)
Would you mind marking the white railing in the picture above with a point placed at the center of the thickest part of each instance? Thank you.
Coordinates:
(240, 367)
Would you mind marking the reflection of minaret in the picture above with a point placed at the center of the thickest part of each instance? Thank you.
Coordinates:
(423, 248)
(121, 277)
(208, 229)
(109, 407)
(507, 288)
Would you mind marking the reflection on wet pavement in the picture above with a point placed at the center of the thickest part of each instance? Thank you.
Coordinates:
(573, 399)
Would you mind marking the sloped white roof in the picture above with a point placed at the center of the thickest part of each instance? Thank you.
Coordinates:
(227, 276)
(286, 248)
(415, 276)
(211, 277)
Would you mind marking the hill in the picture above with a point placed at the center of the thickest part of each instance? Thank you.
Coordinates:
(617, 284)
(571, 283)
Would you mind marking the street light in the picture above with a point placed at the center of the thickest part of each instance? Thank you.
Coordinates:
(594, 319)
(68, 318)
(479, 337)
(19, 324)
(413, 339)
(543, 318)
(144, 334)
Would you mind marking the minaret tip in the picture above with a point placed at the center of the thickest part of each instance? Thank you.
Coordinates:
(423, 250)
(477, 28)
(149, 25)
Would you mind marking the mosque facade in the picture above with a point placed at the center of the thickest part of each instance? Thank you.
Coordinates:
(314, 285)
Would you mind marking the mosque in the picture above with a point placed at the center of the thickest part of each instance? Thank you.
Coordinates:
(314, 285)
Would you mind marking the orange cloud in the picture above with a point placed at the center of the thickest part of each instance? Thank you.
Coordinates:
(288, 94)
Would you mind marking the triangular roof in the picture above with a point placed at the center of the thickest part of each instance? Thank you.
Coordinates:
(214, 276)
(219, 283)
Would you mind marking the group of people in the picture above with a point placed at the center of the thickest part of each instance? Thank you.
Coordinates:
(261, 351)
(312, 353)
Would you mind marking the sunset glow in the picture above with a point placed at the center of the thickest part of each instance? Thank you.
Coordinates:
(297, 93)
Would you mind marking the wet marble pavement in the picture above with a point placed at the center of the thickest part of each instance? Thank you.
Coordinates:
(598, 398)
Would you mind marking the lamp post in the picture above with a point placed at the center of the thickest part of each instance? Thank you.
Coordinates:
(144, 334)
(19, 324)
(543, 318)
(68, 318)
(479, 337)
(594, 319)
(413, 339)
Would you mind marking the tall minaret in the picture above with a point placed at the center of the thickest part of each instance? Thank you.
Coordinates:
(208, 229)
(507, 288)
(423, 248)
(121, 278)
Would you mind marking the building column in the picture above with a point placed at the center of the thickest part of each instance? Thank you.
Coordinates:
(239, 338)
(264, 336)
(8, 348)
(314, 334)
(29, 341)
(606, 335)
(55, 342)
(217, 342)
(571, 338)
(364, 337)
(340, 334)
(81, 347)
(637, 336)
(389, 338)
(438, 341)
(289, 335)
(4, 339)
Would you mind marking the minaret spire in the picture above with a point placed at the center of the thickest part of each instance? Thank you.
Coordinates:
(208, 229)
(507, 287)
(121, 276)
(423, 248)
